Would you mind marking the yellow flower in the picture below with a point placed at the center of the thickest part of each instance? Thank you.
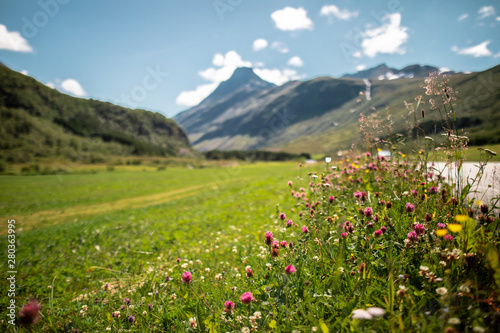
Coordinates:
(461, 218)
(379, 150)
(404, 155)
(441, 232)
(455, 227)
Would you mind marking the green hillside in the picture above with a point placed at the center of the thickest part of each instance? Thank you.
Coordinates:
(39, 122)
(477, 112)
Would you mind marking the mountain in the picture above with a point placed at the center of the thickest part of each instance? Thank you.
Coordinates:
(322, 114)
(382, 72)
(37, 122)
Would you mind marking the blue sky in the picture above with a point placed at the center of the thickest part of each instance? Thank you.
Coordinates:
(165, 55)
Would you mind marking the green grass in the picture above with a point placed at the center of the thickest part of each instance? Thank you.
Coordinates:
(132, 230)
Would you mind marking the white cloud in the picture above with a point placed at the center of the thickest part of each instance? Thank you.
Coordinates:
(357, 54)
(291, 19)
(486, 11)
(277, 76)
(24, 72)
(360, 67)
(226, 65)
(194, 97)
(497, 55)
(218, 60)
(463, 17)
(259, 44)
(73, 87)
(295, 61)
(341, 14)
(388, 38)
(259, 64)
(13, 41)
(480, 50)
(498, 18)
(444, 69)
(50, 85)
(280, 47)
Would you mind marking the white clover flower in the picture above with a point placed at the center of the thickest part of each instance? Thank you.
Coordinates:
(454, 321)
(442, 291)
(464, 288)
(368, 314)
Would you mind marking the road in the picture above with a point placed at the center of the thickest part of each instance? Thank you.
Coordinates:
(486, 189)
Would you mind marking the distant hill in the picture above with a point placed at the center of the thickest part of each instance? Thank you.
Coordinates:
(37, 122)
(382, 72)
(321, 115)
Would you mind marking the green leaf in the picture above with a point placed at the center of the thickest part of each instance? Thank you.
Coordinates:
(323, 326)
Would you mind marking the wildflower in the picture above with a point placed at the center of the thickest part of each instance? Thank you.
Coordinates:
(484, 209)
(453, 227)
(258, 315)
(228, 306)
(402, 291)
(428, 217)
(478, 329)
(246, 298)
(290, 183)
(150, 307)
(440, 232)
(144, 313)
(357, 195)
(186, 277)
(412, 236)
(454, 321)
(268, 238)
(441, 225)
(282, 216)
(368, 314)
(289, 223)
(378, 233)
(362, 267)
(448, 238)
(115, 314)
(245, 330)
(290, 269)
(409, 207)
(127, 301)
(249, 272)
(330, 200)
(368, 212)
(442, 291)
(283, 244)
(344, 234)
(131, 319)
(192, 322)
(419, 228)
(388, 204)
(464, 288)
(383, 229)
(305, 229)
(461, 218)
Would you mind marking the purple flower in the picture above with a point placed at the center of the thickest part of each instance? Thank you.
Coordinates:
(448, 237)
(344, 234)
(433, 190)
(412, 236)
(357, 195)
(246, 298)
(441, 225)
(290, 269)
(283, 244)
(305, 229)
(368, 212)
(269, 238)
(409, 207)
(289, 223)
(186, 277)
(228, 306)
(290, 183)
(150, 306)
(378, 233)
(131, 319)
(30, 313)
(282, 216)
(419, 228)
(126, 300)
(331, 199)
(383, 229)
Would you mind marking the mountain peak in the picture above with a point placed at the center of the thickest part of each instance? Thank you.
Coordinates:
(382, 72)
(242, 78)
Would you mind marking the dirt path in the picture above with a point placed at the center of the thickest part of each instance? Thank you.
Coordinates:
(53, 216)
